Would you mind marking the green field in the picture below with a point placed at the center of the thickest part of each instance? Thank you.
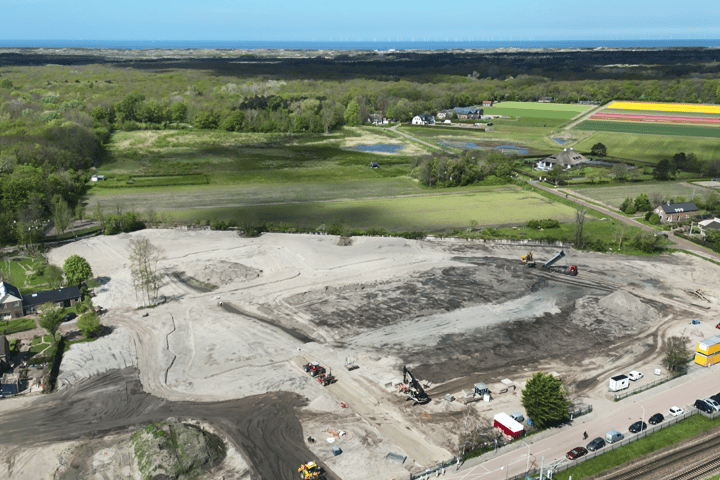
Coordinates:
(614, 195)
(560, 107)
(126, 181)
(647, 128)
(651, 148)
(432, 212)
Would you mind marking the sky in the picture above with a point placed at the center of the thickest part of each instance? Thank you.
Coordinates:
(352, 20)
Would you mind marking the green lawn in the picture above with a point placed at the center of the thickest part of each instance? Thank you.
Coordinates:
(651, 148)
(431, 212)
(646, 128)
(658, 440)
(614, 195)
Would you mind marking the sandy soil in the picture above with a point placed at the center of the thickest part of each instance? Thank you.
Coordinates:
(455, 312)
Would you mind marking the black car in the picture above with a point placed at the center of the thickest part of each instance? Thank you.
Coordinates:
(637, 427)
(68, 317)
(655, 419)
(596, 444)
(716, 398)
(702, 406)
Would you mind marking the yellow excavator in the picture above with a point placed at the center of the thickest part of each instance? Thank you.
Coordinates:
(528, 259)
(310, 470)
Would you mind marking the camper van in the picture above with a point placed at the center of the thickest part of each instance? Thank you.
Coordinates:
(619, 382)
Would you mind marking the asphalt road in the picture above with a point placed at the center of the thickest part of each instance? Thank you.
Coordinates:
(264, 427)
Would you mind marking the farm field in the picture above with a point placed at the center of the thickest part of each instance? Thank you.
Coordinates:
(665, 107)
(614, 195)
(650, 148)
(437, 212)
(536, 110)
(649, 128)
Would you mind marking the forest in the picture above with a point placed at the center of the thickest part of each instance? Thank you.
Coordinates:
(58, 111)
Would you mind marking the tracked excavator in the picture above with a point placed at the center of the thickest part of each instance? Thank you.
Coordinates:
(413, 389)
(528, 260)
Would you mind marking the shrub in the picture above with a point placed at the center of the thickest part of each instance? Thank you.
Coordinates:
(630, 209)
(654, 219)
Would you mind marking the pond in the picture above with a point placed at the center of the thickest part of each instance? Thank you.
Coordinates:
(448, 143)
(378, 148)
(561, 141)
(510, 149)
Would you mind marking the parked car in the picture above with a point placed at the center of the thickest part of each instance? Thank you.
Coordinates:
(676, 411)
(710, 401)
(717, 326)
(596, 444)
(635, 375)
(637, 427)
(655, 419)
(576, 452)
(68, 317)
(703, 407)
(716, 398)
(612, 436)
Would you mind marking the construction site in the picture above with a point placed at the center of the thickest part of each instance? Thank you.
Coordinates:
(319, 357)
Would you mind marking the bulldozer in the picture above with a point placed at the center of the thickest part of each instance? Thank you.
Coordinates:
(310, 470)
(528, 259)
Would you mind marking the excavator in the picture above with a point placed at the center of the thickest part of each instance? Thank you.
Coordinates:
(528, 260)
(414, 390)
(311, 470)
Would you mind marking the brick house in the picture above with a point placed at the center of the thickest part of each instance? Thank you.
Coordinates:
(676, 212)
(11, 302)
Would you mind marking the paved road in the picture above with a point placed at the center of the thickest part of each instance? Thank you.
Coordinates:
(584, 117)
(680, 243)
(552, 445)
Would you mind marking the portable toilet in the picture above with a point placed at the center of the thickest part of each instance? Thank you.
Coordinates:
(481, 389)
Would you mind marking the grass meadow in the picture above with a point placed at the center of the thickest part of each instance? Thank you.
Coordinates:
(429, 212)
(615, 194)
(646, 128)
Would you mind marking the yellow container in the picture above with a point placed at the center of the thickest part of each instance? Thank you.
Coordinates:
(710, 346)
(707, 360)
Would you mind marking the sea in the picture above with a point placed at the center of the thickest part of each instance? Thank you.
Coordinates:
(388, 45)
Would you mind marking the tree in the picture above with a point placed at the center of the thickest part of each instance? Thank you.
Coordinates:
(54, 276)
(88, 324)
(60, 215)
(662, 170)
(642, 203)
(599, 150)
(178, 112)
(144, 257)
(50, 318)
(619, 171)
(676, 353)
(76, 269)
(207, 120)
(579, 226)
(545, 399)
(352, 113)
(556, 173)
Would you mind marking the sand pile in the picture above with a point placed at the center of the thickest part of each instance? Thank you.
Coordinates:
(623, 303)
(324, 403)
(220, 272)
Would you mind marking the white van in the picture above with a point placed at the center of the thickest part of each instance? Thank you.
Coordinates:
(612, 436)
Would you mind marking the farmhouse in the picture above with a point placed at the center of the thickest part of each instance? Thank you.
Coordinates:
(676, 212)
(63, 297)
(471, 114)
(10, 302)
(545, 99)
(568, 158)
(487, 103)
(423, 119)
(377, 119)
(443, 114)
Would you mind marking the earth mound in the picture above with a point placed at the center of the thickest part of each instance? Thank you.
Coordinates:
(220, 272)
(622, 302)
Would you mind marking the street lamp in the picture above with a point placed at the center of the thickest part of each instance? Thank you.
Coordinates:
(643, 418)
(527, 467)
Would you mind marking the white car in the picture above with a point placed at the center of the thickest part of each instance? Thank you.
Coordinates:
(712, 403)
(676, 411)
(635, 375)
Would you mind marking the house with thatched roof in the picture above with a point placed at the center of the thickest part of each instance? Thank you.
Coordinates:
(568, 158)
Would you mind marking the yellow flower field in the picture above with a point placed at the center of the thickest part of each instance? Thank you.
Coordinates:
(666, 107)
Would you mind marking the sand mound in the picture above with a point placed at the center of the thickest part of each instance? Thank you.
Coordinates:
(324, 403)
(622, 302)
(220, 272)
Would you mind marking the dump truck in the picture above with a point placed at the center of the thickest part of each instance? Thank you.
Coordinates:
(564, 269)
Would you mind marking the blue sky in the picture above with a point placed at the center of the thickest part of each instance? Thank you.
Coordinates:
(420, 20)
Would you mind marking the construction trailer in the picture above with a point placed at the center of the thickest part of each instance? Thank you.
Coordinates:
(564, 269)
(708, 352)
(619, 382)
(481, 389)
(508, 425)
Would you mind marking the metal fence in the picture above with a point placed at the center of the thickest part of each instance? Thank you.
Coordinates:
(534, 474)
(620, 396)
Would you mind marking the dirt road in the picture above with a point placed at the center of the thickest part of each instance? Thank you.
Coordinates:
(263, 426)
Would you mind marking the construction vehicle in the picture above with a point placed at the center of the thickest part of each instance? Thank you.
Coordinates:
(311, 470)
(413, 389)
(350, 364)
(565, 269)
(326, 380)
(528, 260)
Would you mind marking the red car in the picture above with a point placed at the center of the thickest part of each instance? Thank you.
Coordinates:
(576, 452)
(717, 326)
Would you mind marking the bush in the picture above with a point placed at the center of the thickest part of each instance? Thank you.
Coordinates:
(630, 209)
(653, 219)
(544, 224)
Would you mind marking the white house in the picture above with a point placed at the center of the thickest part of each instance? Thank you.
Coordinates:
(423, 119)
(568, 158)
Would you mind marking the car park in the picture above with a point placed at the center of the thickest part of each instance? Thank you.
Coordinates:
(715, 406)
(637, 427)
(576, 452)
(635, 375)
(703, 407)
(596, 444)
(676, 411)
(68, 317)
(655, 419)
